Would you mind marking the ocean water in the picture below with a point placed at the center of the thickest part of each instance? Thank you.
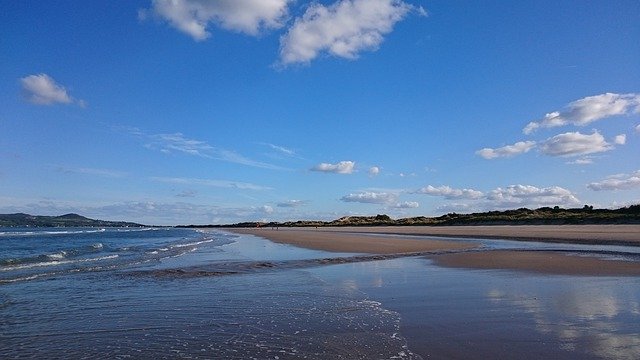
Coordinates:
(179, 293)
(176, 293)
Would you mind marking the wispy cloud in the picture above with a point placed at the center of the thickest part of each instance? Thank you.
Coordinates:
(587, 110)
(343, 167)
(292, 203)
(42, 89)
(194, 17)
(617, 182)
(211, 183)
(343, 29)
(178, 143)
(507, 151)
(281, 149)
(450, 193)
(92, 171)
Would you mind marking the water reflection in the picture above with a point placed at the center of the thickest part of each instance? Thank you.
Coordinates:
(601, 316)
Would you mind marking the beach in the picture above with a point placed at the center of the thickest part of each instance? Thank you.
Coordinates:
(414, 239)
(311, 294)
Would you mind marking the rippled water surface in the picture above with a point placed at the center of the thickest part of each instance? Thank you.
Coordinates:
(179, 293)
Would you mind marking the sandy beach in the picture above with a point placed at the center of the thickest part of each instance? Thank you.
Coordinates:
(369, 240)
(328, 240)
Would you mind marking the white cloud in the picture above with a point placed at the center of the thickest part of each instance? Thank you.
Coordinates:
(450, 193)
(343, 167)
(531, 196)
(292, 203)
(266, 209)
(211, 182)
(574, 144)
(343, 29)
(374, 171)
(406, 205)
(193, 17)
(41, 89)
(507, 151)
(617, 182)
(638, 129)
(620, 139)
(371, 197)
(587, 110)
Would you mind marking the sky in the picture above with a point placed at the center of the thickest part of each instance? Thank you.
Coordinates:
(210, 112)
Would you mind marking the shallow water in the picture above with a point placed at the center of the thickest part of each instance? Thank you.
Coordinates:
(185, 294)
(139, 308)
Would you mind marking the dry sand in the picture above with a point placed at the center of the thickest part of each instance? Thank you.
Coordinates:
(368, 240)
(577, 234)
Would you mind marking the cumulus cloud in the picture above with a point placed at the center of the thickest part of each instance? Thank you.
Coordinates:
(374, 171)
(211, 183)
(617, 182)
(507, 151)
(450, 193)
(587, 110)
(343, 167)
(343, 29)
(292, 203)
(371, 197)
(193, 17)
(41, 89)
(620, 139)
(531, 196)
(575, 144)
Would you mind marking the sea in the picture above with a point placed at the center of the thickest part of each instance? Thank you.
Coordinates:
(166, 293)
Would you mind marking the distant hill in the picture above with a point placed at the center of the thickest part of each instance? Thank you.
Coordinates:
(68, 220)
(522, 216)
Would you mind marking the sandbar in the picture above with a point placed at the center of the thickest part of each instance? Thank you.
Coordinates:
(381, 240)
(320, 239)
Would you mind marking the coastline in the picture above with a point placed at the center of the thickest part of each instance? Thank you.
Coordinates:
(381, 240)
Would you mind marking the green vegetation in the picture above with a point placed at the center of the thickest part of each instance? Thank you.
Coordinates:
(522, 216)
(68, 220)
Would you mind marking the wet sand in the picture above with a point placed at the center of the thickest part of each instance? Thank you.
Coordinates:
(544, 262)
(368, 240)
(320, 239)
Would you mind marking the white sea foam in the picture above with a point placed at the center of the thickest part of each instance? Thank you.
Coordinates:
(193, 243)
(58, 255)
(53, 263)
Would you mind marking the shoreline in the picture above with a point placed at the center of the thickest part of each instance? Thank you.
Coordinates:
(456, 254)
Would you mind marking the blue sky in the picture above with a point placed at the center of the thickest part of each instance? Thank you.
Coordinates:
(175, 112)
